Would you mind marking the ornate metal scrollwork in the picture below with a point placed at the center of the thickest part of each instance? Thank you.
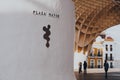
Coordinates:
(47, 34)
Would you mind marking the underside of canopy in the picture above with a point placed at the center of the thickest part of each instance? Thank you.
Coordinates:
(93, 17)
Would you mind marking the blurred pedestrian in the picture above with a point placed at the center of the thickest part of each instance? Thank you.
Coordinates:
(85, 67)
(106, 67)
(80, 67)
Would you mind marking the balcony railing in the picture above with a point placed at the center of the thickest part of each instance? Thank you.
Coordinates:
(110, 58)
(95, 55)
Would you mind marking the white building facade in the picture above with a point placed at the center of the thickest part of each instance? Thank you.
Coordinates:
(109, 51)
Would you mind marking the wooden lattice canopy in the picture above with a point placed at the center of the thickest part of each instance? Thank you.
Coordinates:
(92, 17)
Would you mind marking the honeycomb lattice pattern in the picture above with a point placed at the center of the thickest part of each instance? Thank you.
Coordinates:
(92, 17)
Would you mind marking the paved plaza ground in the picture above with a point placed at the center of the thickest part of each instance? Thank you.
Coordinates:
(113, 74)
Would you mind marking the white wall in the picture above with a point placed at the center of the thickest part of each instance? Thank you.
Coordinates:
(23, 54)
(115, 52)
(79, 57)
(117, 56)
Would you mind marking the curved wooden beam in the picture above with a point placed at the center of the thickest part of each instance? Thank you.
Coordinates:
(92, 17)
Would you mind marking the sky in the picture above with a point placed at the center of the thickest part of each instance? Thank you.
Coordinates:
(114, 32)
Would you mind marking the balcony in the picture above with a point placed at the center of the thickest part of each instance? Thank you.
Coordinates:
(99, 55)
(109, 58)
(95, 55)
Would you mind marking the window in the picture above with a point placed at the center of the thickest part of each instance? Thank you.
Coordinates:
(106, 47)
(92, 52)
(99, 63)
(92, 63)
(99, 52)
(106, 56)
(111, 58)
(111, 65)
(111, 48)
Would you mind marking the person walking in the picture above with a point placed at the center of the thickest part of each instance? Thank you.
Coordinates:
(106, 67)
(85, 67)
(80, 67)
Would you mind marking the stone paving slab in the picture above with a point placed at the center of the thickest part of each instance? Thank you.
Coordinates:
(98, 76)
